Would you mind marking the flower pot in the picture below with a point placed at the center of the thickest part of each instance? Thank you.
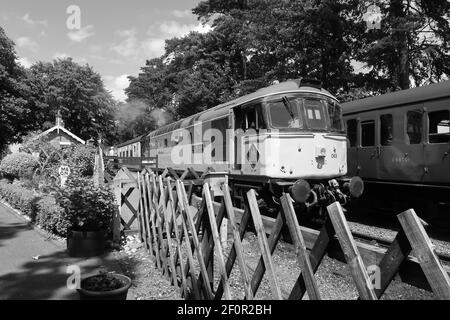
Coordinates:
(86, 244)
(117, 294)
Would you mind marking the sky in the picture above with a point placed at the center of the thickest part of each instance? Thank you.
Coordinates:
(114, 37)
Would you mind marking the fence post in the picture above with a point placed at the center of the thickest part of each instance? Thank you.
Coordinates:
(116, 218)
(352, 256)
(424, 251)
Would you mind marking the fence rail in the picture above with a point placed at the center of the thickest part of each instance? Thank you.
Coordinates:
(181, 232)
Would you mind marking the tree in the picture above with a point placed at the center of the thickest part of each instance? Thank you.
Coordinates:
(12, 90)
(87, 108)
(412, 44)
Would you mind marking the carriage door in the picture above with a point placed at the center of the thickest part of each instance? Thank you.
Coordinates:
(368, 150)
(352, 146)
(437, 146)
(409, 158)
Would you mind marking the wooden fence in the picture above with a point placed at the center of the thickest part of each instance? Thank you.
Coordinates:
(180, 231)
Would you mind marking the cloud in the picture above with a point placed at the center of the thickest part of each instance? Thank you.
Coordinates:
(60, 55)
(28, 20)
(63, 55)
(171, 29)
(82, 34)
(182, 13)
(117, 85)
(26, 43)
(25, 62)
(152, 44)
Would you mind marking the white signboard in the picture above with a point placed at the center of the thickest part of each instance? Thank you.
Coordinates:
(64, 172)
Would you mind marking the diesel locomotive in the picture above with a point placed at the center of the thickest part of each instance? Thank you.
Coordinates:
(288, 137)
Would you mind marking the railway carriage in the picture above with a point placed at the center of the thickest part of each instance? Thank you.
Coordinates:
(288, 137)
(399, 143)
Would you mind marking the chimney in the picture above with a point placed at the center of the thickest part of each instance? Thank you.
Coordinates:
(59, 121)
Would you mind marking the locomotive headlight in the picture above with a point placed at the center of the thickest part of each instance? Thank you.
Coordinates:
(300, 191)
(356, 187)
(321, 151)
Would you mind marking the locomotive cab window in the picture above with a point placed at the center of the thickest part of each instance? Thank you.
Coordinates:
(335, 113)
(315, 114)
(352, 132)
(439, 126)
(368, 133)
(386, 129)
(285, 114)
(414, 126)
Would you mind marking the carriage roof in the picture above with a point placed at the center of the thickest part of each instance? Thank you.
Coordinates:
(398, 98)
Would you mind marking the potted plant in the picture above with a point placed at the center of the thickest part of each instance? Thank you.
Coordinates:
(88, 211)
(104, 286)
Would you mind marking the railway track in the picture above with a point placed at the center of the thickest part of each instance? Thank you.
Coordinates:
(385, 243)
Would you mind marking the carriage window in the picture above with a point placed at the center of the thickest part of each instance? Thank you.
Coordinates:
(368, 133)
(351, 131)
(284, 115)
(131, 153)
(414, 126)
(439, 126)
(166, 144)
(386, 129)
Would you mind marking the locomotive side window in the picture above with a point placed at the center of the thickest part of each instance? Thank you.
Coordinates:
(386, 129)
(352, 126)
(335, 113)
(439, 126)
(368, 133)
(414, 126)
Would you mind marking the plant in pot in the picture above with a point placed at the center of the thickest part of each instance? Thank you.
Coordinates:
(104, 286)
(88, 211)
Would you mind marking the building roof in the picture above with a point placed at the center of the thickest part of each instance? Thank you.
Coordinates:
(60, 128)
(403, 97)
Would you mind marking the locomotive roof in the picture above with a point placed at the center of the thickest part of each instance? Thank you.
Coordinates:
(403, 97)
(221, 110)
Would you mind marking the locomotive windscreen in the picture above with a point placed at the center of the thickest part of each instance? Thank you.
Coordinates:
(306, 113)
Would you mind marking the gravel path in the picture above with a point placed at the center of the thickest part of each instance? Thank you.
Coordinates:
(333, 278)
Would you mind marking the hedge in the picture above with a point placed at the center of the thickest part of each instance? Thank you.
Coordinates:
(42, 210)
(20, 198)
(18, 165)
(50, 216)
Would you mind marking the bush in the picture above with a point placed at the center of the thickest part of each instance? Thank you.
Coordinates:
(18, 165)
(81, 160)
(50, 216)
(20, 198)
(86, 207)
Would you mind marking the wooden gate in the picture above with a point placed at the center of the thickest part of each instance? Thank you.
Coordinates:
(180, 231)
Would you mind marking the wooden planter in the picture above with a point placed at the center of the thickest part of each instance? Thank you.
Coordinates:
(118, 294)
(86, 244)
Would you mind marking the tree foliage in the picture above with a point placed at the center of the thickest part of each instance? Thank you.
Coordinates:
(77, 91)
(30, 98)
(253, 43)
(12, 91)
